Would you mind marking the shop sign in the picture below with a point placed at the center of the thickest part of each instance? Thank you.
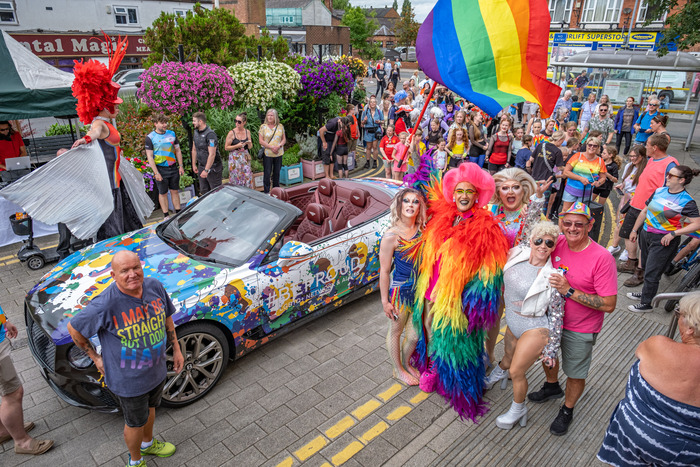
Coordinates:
(77, 45)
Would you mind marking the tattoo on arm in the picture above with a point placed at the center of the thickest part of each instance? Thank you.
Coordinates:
(171, 335)
(593, 301)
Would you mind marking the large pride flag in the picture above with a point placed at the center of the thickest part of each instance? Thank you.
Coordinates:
(491, 52)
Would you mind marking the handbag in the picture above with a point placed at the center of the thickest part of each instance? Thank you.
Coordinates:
(261, 152)
(625, 207)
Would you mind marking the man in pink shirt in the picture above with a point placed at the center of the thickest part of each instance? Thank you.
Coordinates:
(589, 283)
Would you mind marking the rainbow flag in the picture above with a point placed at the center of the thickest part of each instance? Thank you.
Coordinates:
(491, 52)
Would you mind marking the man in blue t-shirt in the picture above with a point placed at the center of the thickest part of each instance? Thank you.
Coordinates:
(12, 425)
(133, 322)
(163, 152)
(643, 124)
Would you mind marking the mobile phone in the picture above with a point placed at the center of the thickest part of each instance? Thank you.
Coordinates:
(619, 192)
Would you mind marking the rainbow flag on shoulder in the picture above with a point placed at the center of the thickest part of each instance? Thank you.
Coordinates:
(491, 52)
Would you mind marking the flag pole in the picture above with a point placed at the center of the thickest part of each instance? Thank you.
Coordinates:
(420, 117)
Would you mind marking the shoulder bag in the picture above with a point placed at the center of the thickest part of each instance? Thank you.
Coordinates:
(261, 152)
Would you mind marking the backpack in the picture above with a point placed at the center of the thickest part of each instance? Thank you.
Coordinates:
(354, 133)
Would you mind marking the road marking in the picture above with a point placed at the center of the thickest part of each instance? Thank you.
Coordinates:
(349, 451)
(373, 432)
(399, 412)
(389, 393)
(420, 397)
(366, 409)
(310, 448)
(288, 462)
(338, 429)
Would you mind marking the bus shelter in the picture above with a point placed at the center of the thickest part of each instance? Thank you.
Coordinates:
(621, 73)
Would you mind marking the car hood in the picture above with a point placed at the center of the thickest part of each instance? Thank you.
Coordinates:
(69, 287)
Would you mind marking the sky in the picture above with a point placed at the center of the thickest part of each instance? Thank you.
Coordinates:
(421, 7)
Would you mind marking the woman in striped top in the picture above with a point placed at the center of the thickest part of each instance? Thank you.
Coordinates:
(658, 421)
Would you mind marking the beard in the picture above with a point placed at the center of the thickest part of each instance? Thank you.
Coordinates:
(6, 137)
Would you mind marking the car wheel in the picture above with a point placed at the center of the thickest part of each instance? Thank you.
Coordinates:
(36, 262)
(205, 350)
(690, 282)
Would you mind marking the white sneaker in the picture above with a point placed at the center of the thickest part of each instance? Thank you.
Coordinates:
(614, 249)
(624, 256)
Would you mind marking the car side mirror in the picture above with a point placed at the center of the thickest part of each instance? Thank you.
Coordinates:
(292, 252)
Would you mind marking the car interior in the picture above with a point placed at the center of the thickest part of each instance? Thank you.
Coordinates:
(330, 206)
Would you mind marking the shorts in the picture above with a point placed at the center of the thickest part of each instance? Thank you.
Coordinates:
(569, 198)
(9, 381)
(402, 169)
(135, 408)
(455, 162)
(171, 179)
(341, 150)
(327, 157)
(496, 167)
(628, 224)
(602, 192)
(369, 135)
(577, 352)
(529, 108)
(352, 145)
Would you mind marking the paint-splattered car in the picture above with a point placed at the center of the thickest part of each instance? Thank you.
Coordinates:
(241, 268)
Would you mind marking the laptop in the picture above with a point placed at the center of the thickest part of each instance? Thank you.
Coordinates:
(17, 163)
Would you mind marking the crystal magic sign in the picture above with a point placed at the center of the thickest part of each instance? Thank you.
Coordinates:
(76, 45)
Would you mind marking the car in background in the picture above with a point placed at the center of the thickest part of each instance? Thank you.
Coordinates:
(400, 53)
(241, 268)
(129, 81)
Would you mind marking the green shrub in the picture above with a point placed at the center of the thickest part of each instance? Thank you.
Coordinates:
(57, 129)
(291, 155)
(185, 181)
(256, 165)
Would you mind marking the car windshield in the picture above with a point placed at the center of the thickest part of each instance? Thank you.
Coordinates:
(223, 227)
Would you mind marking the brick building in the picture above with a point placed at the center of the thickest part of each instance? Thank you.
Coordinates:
(384, 36)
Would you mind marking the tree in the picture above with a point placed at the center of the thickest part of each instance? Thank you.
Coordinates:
(361, 32)
(216, 36)
(277, 48)
(395, 6)
(341, 4)
(406, 28)
(406, 4)
(681, 23)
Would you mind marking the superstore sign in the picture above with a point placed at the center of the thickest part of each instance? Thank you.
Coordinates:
(80, 45)
(601, 40)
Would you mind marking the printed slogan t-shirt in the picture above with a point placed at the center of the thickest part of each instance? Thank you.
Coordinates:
(132, 336)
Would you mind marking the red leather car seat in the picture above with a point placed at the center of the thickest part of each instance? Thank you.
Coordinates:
(311, 228)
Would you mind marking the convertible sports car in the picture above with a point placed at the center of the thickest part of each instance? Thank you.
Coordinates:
(241, 268)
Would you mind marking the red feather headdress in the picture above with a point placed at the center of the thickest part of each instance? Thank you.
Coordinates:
(93, 85)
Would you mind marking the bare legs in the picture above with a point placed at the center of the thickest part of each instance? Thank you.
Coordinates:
(492, 335)
(519, 357)
(402, 369)
(133, 436)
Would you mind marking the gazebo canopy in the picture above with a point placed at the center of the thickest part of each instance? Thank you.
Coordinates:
(632, 60)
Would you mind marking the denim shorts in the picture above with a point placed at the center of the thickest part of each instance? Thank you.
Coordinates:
(569, 198)
(136, 408)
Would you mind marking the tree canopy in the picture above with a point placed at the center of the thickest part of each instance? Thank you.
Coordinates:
(406, 28)
(361, 31)
(341, 4)
(681, 23)
(395, 5)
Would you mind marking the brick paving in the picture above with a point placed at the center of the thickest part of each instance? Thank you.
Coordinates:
(324, 395)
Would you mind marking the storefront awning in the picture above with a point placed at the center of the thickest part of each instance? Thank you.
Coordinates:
(631, 60)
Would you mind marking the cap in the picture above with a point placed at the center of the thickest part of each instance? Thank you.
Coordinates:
(578, 208)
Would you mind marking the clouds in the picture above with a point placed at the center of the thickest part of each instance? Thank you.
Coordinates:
(420, 7)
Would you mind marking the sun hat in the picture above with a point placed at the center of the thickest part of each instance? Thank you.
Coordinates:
(578, 208)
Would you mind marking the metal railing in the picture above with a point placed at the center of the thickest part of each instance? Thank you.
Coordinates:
(662, 297)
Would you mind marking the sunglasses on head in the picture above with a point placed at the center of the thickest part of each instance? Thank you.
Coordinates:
(538, 242)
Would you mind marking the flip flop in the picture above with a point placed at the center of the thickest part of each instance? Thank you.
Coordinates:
(37, 447)
(27, 426)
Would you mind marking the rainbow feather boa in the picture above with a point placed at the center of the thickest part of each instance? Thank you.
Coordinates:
(470, 257)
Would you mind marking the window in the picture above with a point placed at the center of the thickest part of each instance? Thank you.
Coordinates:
(7, 13)
(126, 15)
(601, 11)
(179, 12)
(644, 11)
(287, 19)
(560, 10)
(389, 44)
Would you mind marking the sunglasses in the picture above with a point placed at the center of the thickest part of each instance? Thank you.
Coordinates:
(538, 242)
(653, 105)
(592, 146)
(408, 201)
(670, 175)
(239, 121)
(4, 129)
(603, 110)
(576, 225)
(465, 192)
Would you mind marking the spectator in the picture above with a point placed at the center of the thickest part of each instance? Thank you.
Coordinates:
(341, 143)
(624, 124)
(239, 142)
(588, 110)
(138, 387)
(546, 157)
(571, 131)
(656, 422)
(11, 144)
(499, 147)
(386, 149)
(477, 139)
(351, 112)
(627, 186)
(372, 119)
(663, 219)
(328, 133)
(643, 124)
(529, 111)
(664, 101)
(603, 123)
(395, 75)
(654, 176)
(12, 425)
(517, 145)
(205, 154)
(658, 126)
(524, 153)
(575, 110)
(580, 83)
(590, 289)
(163, 152)
(272, 138)
(564, 102)
(381, 78)
(584, 172)
(612, 167)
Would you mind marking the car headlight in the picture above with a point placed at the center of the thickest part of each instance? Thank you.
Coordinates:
(78, 359)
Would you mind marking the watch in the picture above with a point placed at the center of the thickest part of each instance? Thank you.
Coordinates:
(673, 234)
(569, 292)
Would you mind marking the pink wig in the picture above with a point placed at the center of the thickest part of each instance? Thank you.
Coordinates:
(472, 173)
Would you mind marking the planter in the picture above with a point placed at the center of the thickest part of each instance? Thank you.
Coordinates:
(258, 181)
(185, 195)
(312, 169)
(291, 174)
